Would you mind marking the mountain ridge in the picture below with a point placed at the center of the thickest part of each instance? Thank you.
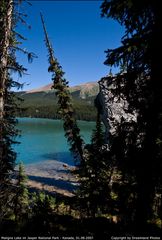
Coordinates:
(85, 89)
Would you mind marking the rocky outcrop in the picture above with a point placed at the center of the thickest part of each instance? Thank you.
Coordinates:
(112, 107)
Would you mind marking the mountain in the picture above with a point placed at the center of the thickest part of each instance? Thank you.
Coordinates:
(86, 90)
(41, 89)
(83, 90)
(42, 101)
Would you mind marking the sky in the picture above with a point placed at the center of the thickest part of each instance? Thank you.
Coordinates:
(78, 35)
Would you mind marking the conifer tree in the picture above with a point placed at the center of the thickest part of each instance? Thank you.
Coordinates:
(6, 9)
(135, 145)
(9, 16)
(94, 191)
(65, 103)
(43, 204)
(21, 201)
(93, 172)
(7, 132)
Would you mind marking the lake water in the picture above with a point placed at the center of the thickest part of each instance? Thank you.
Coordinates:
(43, 139)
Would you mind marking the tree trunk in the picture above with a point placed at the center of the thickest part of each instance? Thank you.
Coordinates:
(6, 10)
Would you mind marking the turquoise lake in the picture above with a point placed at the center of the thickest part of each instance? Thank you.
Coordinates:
(43, 139)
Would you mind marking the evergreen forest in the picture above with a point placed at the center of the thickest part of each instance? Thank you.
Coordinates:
(44, 105)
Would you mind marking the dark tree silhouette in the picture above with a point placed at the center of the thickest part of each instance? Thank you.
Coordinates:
(9, 44)
(95, 175)
(7, 105)
(135, 145)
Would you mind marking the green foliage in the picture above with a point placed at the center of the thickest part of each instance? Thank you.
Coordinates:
(8, 106)
(21, 199)
(44, 105)
(10, 42)
(98, 134)
(65, 103)
(121, 181)
(94, 190)
(43, 204)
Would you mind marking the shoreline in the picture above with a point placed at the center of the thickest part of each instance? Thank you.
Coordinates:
(59, 119)
(51, 176)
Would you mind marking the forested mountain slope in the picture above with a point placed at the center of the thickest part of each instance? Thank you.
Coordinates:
(42, 102)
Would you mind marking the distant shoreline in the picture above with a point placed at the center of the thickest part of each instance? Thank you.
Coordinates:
(59, 119)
